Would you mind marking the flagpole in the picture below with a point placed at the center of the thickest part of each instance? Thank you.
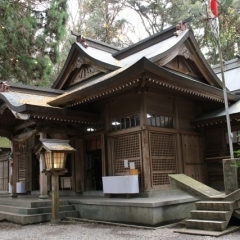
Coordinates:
(214, 9)
(225, 99)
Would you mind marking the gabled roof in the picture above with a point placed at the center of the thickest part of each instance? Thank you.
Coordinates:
(129, 78)
(97, 56)
(25, 103)
(231, 74)
(160, 48)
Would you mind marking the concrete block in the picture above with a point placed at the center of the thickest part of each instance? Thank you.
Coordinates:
(231, 175)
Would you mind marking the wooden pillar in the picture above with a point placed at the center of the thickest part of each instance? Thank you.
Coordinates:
(179, 160)
(146, 161)
(55, 199)
(103, 147)
(28, 172)
(145, 145)
(110, 159)
(79, 165)
(14, 177)
(43, 178)
(108, 151)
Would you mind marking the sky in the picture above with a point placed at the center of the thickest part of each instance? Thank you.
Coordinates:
(128, 14)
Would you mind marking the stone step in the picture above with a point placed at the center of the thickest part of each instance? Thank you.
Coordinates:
(215, 205)
(211, 215)
(206, 224)
(30, 203)
(28, 211)
(208, 232)
(36, 218)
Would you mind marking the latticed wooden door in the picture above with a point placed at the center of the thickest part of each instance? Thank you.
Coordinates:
(127, 147)
(4, 171)
(21, 153)
(162, 156)
(192, 152)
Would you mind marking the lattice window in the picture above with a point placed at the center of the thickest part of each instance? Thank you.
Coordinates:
(127, 147)
(163, 164)
(162, 145)
(162, 154)
(160, 179)
(21, 167)
(4, 171)
(120, 170)
(159, 121)
(125, 122)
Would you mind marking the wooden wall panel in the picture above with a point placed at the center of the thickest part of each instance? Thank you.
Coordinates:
(125, 105)
(159, 104)
(187, 111)
(79, 165)
(213, 140)
(192, 151)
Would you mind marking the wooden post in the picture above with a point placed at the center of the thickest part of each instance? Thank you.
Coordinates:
(28, 172)
(55, 199)
(43, 178)
(146, 161)
(110, 157)
(179, 160)
(145, 145)
(14, 173)
(103, 148)
(79, 165)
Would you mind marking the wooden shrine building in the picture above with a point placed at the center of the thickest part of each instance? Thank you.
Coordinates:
(144, 103)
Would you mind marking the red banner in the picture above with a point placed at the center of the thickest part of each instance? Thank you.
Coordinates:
(214, 7)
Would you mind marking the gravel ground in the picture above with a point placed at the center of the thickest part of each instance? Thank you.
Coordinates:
(83, 230)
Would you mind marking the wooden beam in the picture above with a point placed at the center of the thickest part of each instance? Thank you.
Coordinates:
(24, 125)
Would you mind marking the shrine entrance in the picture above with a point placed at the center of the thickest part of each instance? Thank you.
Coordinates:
(93, 165)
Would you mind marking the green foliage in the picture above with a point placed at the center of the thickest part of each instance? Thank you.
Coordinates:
(30, 34)
(158, 14)
(102, 20)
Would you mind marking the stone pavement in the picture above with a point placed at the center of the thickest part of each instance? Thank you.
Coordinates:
(70, 230)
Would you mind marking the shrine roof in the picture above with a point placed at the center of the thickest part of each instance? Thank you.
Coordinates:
(231, 74)
(153, 51)
(19, 99)
(108, 83)
(233, 110)
(24, 105)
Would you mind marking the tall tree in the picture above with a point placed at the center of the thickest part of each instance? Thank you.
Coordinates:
(30, 34)
(158, 14)
(103, 20)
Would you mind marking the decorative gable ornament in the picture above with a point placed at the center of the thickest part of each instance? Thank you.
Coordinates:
(185, 53)
(180, 27)
(85, 72)
(82, 69)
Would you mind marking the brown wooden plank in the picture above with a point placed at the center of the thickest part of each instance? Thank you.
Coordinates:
(79, 165)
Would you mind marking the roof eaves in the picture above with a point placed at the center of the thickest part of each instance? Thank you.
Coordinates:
(75, 47)
(147, 42)
(102, 46)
